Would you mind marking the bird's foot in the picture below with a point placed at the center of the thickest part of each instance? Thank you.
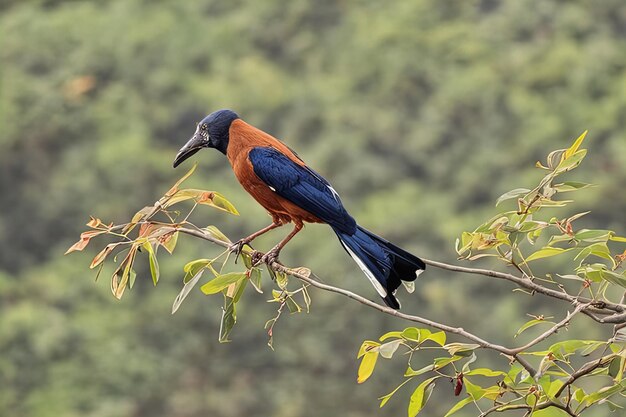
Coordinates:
(237, 247)
(270, 257)
(256, 257)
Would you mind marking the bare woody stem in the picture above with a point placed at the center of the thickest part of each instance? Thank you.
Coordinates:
(587, 306)
(417, 319)
(598, 307)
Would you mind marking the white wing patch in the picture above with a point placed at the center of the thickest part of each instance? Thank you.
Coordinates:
(272, 188)
(332, 190)
(379, 288)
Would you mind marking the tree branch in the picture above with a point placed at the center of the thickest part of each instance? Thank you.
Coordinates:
(598, 307)
(552, 330)
(416, 319)
(584, 370)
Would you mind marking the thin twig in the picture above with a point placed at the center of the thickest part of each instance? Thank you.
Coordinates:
(508, 406)
(584, 370)
(594, 306)
(551, 330)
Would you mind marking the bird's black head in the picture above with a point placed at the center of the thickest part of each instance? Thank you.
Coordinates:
(211, 132)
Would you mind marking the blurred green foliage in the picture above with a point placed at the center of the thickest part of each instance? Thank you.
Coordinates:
(421, 113)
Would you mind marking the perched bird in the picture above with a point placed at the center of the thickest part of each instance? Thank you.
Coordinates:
(290, 191)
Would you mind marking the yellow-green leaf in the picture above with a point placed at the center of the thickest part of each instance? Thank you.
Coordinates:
(530, 324)
(546, 252)
(572, 149)
(572, 161)
(366, 368)
(420, 396)
(439, 338)
(459, 405)
(220, 202)
(186, 290)
(229, 318)
(216, 233)
(220, 282)
(154, 264)
(255, 279)
(518, 192)
(169, 242)
(484, 372)
(174, 188)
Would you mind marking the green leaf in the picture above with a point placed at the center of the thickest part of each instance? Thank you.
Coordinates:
(546, 252)
(441, 362)
(604, 392)
(186, 290)
(154, 265)
(512, 194)
(255, 279)
(572, 161)
(461, 349)
(570, 346)
(549, 412)
(174, 188)
(193, 267)
(439, 338)
(280, 278)
(366, 368)
(387, 350)
(617, 238)
(411, 372)
(229, 318)
(292, 305)
(474, 390)
(219, 201)
(216, 233)
(592, 236)
(614, 278)
(412, 334)
(485, 372)
(420, 396)
(131, 278)
(568, 186)
(530, 324)
(459, 405)
(220, 282)
(579, 395)
(600, 250)
(574, 148)
(239, 289)
(389, 335)
(170, 242)
(367, 346)
(599, 272)
(471, 360)
(384, 399)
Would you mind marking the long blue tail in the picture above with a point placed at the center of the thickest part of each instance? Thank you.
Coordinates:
(384, 264)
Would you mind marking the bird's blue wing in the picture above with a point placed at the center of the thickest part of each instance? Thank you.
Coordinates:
(302, 186)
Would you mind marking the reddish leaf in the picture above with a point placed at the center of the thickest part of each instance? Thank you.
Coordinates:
(78, 246)
(458, 385)
(100, 257)
(94, 222)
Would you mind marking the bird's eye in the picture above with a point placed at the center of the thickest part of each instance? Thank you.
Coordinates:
(204, 127)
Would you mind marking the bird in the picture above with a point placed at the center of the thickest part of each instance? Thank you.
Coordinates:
(291, 192)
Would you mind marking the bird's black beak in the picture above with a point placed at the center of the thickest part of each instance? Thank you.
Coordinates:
(196, 143)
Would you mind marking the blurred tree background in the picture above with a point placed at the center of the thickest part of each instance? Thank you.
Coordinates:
(419, 112)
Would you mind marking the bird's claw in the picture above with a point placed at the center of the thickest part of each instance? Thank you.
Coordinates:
(237, 247)
(256, 257)
(270, 257)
